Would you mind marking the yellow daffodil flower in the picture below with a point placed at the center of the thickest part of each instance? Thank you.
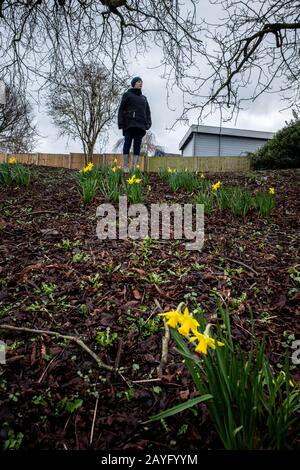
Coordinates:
(202, 176)
(12, 160)
(204, 342)
(216, 186)
(172, 318)
(87, 168)
(272, 190)
(115, 160)
(189, 326)
(134, 179)
(188, 323)
(114, 169)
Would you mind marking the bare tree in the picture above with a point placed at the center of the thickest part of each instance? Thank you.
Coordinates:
(253, 50)
(39, 36)
(17, 131)
(148, 147)
(83, 104)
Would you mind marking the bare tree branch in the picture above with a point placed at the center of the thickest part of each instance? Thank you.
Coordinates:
(17, 131)
(253, 50)
(39, 37)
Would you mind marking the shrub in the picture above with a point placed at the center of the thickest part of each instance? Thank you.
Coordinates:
(282, 151)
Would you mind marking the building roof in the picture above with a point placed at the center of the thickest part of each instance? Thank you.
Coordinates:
(233, 132)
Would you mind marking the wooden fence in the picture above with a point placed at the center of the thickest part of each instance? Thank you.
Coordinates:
(148, 164)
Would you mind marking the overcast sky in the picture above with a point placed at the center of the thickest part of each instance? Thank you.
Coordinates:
(263, 115)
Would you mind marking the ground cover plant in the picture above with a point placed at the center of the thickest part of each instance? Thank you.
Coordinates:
(111, 183)
(14, 173)
(104, 364)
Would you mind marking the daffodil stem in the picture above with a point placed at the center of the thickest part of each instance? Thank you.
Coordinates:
(207, 329)
(180, 307)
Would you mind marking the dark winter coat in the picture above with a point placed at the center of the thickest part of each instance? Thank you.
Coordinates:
(134, 111)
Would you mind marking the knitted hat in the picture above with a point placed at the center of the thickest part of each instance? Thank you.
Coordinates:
(134, 80)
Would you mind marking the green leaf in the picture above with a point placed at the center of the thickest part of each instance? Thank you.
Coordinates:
(237, 430)
(178, 408)
(72, 406)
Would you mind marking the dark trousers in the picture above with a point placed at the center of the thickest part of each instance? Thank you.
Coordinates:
(133, 134)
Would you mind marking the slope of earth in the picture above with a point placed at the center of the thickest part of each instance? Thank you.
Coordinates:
(55, 274)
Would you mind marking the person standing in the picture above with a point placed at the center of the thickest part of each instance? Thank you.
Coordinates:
(134, 118)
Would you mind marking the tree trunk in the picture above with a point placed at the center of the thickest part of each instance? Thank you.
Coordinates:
(90, 153)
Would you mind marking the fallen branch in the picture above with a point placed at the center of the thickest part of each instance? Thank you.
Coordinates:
(243, 264)
(59, 335)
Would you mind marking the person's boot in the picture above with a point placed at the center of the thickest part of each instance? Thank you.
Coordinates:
(125, 160)
(135, 160)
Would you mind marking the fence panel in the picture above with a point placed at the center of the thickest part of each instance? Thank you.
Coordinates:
(149, 164)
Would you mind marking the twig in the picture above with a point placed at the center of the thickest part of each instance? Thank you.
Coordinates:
(43, 212)
(93, 423)
(243, 264)
(164, 351)
(142, 381)
(118, 355)
(128, 383)
(43, 374)
(158, 304)
(59, 335)
(150, 316)
(244, 329)
(35, 213)
(165, 343)
(67, 422)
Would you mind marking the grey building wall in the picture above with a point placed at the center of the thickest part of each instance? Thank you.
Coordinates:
(211, 145)
(206, 145)
(231, 146)
(188, 150)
